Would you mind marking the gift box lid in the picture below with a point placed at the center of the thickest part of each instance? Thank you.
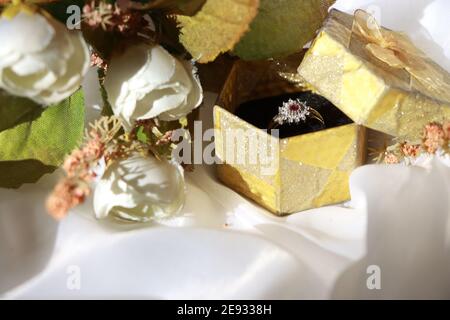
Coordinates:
(376, 76)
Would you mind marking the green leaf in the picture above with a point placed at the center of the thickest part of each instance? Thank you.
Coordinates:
(216, 28)
(282, 28)
(141, 135)
(15, 173)
(43, 136)
(15, 110)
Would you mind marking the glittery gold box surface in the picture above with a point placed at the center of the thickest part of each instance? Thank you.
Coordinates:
(290, 174)
(395, 100)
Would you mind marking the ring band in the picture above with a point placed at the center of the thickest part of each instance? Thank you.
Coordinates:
(295, 112)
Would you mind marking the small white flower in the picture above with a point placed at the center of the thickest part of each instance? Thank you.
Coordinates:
(147, 82)
(40, 59)
(140, 189)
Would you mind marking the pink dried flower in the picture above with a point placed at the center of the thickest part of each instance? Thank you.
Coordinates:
(99, 15)
(410, 150)
(117, 17)
(97, 61)
(73, 162)
(391, 158)
(66, 195)
(94, 148)
(433, 137)
(165, 139)
(446, 128)
(75, 187)
(78, 163)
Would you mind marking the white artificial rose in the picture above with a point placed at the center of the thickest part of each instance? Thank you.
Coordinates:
(40, 59)
(147, 82)
(140, 189)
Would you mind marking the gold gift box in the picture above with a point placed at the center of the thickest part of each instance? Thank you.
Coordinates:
(376, 76)
(291, 174)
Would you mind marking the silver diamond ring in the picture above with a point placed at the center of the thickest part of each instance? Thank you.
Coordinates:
(295, 112)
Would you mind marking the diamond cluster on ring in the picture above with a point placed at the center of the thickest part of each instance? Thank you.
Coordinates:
(293, 111)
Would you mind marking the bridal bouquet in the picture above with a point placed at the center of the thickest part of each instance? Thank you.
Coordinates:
(145, 53)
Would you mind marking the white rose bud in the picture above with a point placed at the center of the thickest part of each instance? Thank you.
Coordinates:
(140, 189)
(147, 82)
(40, 59)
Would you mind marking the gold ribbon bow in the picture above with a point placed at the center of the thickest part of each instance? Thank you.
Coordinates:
(396, 50)
(13, 8)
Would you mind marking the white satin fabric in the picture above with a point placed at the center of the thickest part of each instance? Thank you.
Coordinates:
(224, 246)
